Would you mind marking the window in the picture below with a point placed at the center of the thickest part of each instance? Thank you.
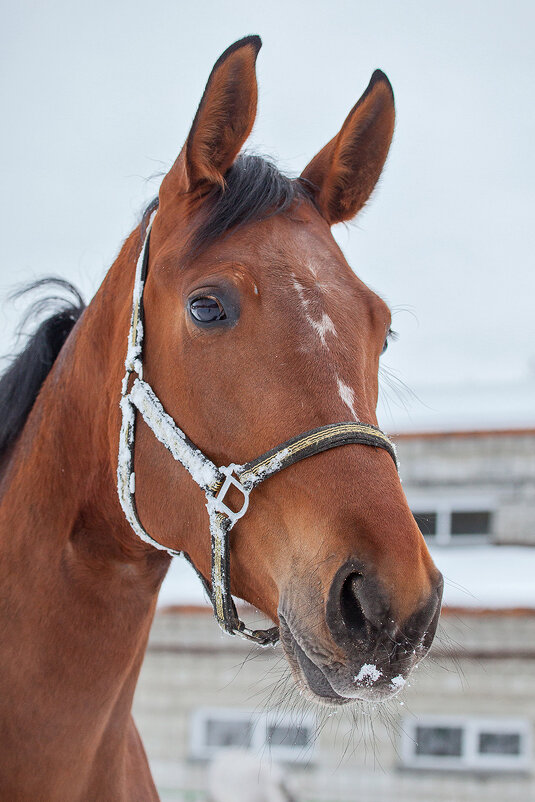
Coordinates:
(226, 732)
(440, 741)
(484, 744)
(449, 521)
(220, 728)
(499, 743)
(470, 523)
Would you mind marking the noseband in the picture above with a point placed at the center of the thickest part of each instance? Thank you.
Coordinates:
(138, 395)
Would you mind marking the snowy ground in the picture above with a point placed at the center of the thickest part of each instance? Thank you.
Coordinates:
(495, 577)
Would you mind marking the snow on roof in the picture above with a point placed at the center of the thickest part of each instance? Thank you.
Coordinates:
(476, 577)
(459, 407)
(487, 577)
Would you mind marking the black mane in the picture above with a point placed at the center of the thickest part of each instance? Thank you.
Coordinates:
(22, 380)
(254, 190)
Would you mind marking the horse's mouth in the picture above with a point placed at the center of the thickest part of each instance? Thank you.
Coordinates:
(310, 679)
(313, 682)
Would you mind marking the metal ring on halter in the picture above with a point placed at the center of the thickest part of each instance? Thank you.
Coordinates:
(230, 480)
(215, 481)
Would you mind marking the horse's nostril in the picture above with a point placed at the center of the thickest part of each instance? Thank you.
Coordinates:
(356, 607)
(351, 609)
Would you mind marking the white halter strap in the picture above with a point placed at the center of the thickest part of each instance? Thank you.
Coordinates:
(214, 481)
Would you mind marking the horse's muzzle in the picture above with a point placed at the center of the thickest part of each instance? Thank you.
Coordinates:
(372, 654)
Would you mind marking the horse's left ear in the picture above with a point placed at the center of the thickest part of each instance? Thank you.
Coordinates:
(345, 172)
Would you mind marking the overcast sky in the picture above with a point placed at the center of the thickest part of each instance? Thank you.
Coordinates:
(97, 97)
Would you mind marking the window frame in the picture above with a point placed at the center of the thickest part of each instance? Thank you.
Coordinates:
(471, 759)
(200, 750)
(444, 507)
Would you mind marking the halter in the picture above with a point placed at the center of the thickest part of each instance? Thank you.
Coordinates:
(215, 481)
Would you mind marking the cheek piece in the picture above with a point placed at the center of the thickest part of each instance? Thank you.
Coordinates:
(138, 396)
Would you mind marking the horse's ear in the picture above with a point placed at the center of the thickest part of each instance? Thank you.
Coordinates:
(345, 172)
(223, 121)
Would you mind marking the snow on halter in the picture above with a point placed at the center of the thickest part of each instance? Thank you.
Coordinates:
(138, 395)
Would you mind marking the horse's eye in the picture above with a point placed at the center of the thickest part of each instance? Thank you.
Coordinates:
(206, 309)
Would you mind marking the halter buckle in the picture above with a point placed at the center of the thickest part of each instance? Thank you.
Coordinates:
(231, 480)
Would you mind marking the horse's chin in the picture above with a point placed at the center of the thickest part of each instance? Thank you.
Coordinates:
(313, 683)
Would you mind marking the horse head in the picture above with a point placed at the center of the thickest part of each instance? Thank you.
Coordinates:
(256, 329)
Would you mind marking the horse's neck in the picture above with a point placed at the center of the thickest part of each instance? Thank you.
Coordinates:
(77, 592)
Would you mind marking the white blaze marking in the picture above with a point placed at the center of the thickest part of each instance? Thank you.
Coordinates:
(325, 325)
(322, 328)
(300, 290)
(348, 397)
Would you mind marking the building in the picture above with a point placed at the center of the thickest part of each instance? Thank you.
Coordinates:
(462, 730)
(472, 487)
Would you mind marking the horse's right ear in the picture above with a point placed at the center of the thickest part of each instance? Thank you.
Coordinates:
(223, 122)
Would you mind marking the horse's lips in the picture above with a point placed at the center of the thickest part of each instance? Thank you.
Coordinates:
(316, 679)
(310, 674)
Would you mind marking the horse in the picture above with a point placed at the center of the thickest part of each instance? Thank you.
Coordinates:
(246, 329)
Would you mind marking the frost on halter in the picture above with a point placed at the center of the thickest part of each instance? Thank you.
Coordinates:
(142, 398)
(201, 469)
